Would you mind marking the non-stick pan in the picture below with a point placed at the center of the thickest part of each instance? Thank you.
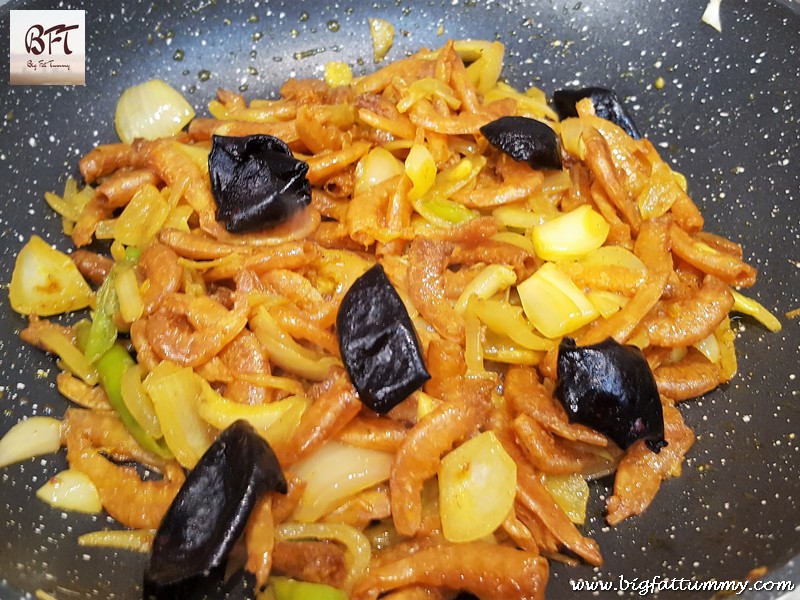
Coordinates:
(727, 117)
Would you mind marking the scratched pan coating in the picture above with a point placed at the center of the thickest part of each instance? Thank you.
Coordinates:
(727, 117)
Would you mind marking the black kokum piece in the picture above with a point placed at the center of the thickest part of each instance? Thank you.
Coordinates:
(378, 342)
(525, 139)
(610, 387)
(607, 105)
(210, 512)
(256, 181)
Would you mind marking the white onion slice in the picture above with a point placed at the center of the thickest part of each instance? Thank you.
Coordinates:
(32, 437)
(151, 110)
(135, 540)
(71, 490)
(336, 473)
(711, 15)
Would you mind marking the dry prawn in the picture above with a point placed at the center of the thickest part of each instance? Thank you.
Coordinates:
(131, 501)
(190, 330)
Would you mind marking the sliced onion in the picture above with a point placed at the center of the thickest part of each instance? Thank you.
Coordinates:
(142, 218)
(54, 340)
(515, 239)
(477, 486)
(421, 170)
(709, 347)
(507, 320)
(273, 421)
(571, 235)
(571, 493)
(175, 392)
(135, 540)
(755, 309)
(71, 490)
(711, 15)
(128, 294)
(359, 550)
(377, 166)
(607, 303)
(517, 217)
(491, 280)
(425, 404)
(46, 282)
(135, 397)
(614, 256)
(151, 110)
(485, 71)
(32, 437)
(382, 33)
(553, 303)
(338, 74)
(335, 473)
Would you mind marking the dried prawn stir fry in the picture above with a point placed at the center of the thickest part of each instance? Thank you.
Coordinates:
(382, 329)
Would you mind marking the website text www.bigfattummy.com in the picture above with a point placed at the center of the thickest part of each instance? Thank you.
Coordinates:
(644, 587)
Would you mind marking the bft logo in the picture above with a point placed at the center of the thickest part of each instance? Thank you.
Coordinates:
(36, 36)
(48, 47)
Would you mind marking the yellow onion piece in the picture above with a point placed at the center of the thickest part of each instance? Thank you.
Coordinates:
(515, 239)
(151, 110)
(473, 345)
(273, 421)
(507, 320)
(336, 473)
(660, 192)
(491, 280)
(382, 33)
(571, 493)
(432, 191)
(442, 212)
(71, 490)
(141, 219)
(421, 170)
(338, 269)
(134, 540)
(52, 338)
(32, 437)
(337, 74)
(425, 404)
(135, 397)
(485, 71)
(727, 350)
(571, 130)
(709, 347)
(504, 350)
(377, 166)
(553, 303)
(425, 89)
(517, 217)
(615, 256)
(571, 235)
(755, 309)
(175, 392)
(477, 486)
(607, 303)
(198, 153)
(126, 285)
(285, 352)
(711, 15)
(532, 103)
(46, 282)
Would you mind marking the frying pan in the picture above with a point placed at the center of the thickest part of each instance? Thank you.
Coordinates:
(727, 118)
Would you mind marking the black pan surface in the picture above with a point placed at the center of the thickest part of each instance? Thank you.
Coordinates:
(728, 118)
